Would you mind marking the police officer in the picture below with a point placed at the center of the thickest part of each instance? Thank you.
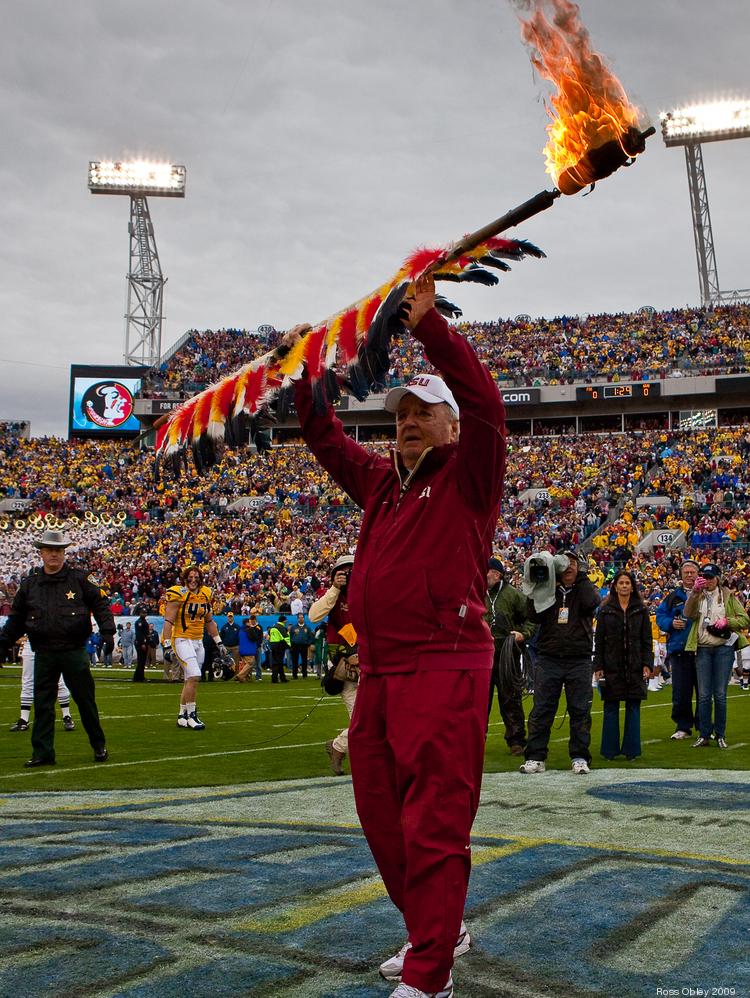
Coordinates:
(53, 606)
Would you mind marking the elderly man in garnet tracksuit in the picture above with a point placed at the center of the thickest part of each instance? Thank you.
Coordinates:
(416, 597)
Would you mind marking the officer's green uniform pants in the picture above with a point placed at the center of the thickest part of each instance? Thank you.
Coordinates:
(74, 668)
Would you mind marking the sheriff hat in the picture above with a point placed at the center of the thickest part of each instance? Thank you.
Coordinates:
(52, 539)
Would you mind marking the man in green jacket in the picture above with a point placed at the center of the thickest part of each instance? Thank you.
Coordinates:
(279, 640)
(506, 616)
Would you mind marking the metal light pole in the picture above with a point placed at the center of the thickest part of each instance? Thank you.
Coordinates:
(690, 127)
(144, 315)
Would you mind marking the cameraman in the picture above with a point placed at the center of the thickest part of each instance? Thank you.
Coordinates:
(564, 647)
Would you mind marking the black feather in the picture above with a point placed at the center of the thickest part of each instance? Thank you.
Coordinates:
(332, 386)
(473, 275)
(260, 435)
(174, 463)
(379, 327)
(490, 260)
(529, 249)
(374, 356)
(237, 430)
(447, 308)
(320, 402)
(356, 382)
(283, 403)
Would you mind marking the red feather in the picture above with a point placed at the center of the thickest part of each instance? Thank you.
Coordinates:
(223, 399)
(314, 354)
(161, 436)
(503, 245)
(368, 312)
(181, 420)
(200, 415)
(255, 386)
(416, 264)
(348, 336)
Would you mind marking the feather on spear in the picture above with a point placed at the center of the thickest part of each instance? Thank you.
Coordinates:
(356, 339)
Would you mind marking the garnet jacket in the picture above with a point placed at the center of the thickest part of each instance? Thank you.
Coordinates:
(623, 647)
(335, 604)
(416, 592)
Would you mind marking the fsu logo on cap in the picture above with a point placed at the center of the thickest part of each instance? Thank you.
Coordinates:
(108, 404)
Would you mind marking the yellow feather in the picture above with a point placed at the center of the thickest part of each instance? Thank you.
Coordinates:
(334, 329)
(295, 357)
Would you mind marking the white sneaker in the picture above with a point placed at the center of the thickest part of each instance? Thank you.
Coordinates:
(392, 969)
(407, 991)
(532, 766)
(678, 736)
(182, 720)
(194, 722)
(580, 766)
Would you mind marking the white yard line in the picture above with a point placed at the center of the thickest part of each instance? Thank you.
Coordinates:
(54, 771)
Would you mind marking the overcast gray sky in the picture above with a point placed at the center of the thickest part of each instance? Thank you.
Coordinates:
(324, 139)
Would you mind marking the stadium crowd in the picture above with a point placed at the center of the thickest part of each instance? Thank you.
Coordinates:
(637, 346)
(262, 526)
(560, 491)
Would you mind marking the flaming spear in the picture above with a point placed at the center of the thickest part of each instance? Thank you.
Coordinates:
(594, 130)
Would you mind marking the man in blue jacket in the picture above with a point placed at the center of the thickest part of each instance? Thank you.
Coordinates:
(671, 621)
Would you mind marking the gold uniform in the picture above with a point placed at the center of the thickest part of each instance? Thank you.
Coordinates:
(192, 610)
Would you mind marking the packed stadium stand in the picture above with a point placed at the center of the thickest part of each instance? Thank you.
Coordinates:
(630, 483)
(644, 345)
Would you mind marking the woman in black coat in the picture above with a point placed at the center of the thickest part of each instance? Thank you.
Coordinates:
(623, 660)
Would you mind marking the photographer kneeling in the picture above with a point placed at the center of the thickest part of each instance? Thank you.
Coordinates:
(562, 601)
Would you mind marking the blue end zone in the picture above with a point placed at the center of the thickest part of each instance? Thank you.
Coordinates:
(678, 794)
(143, 900)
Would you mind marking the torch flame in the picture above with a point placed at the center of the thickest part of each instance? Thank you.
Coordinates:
(590, 107)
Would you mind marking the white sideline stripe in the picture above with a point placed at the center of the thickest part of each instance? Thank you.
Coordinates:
(54, 771)
(738, 745)
(644, 706)
(231, 710)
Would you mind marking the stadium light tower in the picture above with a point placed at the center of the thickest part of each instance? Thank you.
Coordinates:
(689, 127)
(138, 180)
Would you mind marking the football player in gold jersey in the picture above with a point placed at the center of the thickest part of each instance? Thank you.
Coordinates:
(188, 609)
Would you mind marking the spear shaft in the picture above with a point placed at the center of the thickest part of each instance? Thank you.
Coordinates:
(540, 202)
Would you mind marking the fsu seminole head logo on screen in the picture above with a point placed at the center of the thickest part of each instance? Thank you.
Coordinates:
(108, 404)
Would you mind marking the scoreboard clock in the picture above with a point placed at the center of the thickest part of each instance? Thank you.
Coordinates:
(602, 393)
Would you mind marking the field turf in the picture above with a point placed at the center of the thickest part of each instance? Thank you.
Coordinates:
(261, 732)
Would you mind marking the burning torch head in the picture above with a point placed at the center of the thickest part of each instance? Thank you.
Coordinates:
(595, 129)
(603, 160)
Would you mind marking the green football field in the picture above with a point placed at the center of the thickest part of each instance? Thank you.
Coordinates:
(230, 862)
(259, 732)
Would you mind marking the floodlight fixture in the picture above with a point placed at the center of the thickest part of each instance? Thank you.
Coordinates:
(689, 127)
(714, 121)
(137, 178)
(141, 179)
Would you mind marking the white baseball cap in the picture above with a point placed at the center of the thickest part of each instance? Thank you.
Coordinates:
(427, 387)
